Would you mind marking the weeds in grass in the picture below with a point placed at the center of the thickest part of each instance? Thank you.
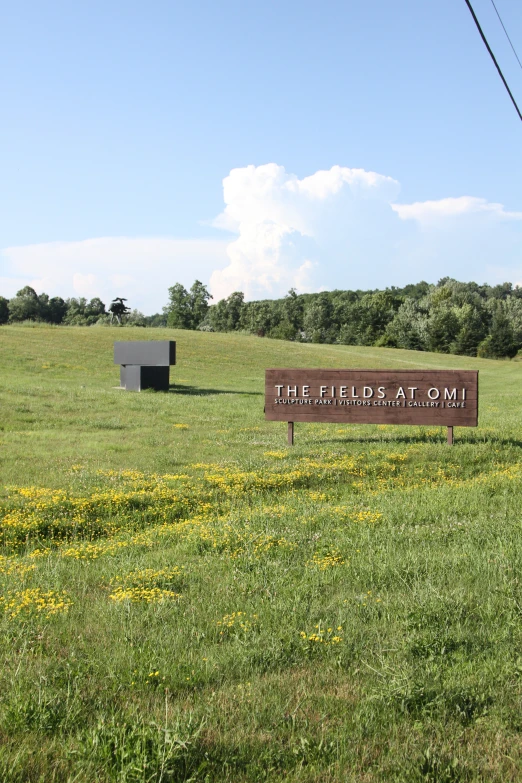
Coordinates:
(185, 599)
(34, 601)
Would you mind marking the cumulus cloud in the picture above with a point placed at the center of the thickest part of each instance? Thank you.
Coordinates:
(337, 228)
(84, 285)
(283, 223)
(428, 212)
(343, 228)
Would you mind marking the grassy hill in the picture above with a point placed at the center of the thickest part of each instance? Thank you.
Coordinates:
(59, 401)
(185, 598)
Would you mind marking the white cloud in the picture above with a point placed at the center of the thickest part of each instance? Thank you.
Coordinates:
(428, 212)
(85, 285)
(140, 269)
(338, 228)
(282, 223)
(343, 228)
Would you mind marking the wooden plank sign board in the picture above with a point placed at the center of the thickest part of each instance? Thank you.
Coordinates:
(447, 398)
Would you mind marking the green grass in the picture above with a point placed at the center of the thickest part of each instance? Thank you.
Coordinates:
(249, 553)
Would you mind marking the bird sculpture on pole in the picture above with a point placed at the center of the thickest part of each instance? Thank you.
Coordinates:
(118, 309)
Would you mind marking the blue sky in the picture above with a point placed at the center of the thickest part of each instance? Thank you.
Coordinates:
(121, 122)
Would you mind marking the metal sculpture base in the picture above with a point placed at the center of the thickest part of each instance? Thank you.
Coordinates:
(135, 377)
(145, 364)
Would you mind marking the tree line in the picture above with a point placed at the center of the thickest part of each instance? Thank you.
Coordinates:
(447, 317)
(27, 305)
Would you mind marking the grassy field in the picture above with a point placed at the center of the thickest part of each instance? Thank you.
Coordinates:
(185, 598)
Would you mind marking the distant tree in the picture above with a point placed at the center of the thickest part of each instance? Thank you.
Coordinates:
(317, 320)
(414, 290)
(282, 330)
(293, 312)
(80, 312)
(57, 310)
(234, 306)
(4, 310)
(502, 291)
(513, 311)
(347, 315)
(198, 302)
(443, 327)
(500, 342)
(179, 310)
(135, 318)
(408, 328)
(258, 318)
(158, 320)
(375, 312)
(187, 309)
(228, 314)
(216, 319)
(52, 310)
(75, 314)
(473, 329)
(25, 306)
(95, 309)
(349, 332)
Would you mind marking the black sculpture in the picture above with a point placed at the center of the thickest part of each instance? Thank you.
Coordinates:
(145, 364)
(118, 309)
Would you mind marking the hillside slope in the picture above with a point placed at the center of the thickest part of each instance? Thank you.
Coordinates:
(59, 402)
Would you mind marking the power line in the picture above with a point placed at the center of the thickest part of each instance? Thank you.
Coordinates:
(488, 47)
(506, 32)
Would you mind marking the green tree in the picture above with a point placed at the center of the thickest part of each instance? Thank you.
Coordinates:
(409, 328)
(292, 311)
(199, 297)
(157, 320)
(75, 315)
(347, 313)
(349, 332)
(232, 313)
(443, 327)
(375, 311)
(473, 329)
(136, 318)
(4, 310)
(187, 309)
(500, 342)
(217, 316)
(80, 312)
(25, 306)
(178, 310)
(233, 309)
(52, 310)
(513, 311)
(318, 319)
(258, 318)
(95, 309)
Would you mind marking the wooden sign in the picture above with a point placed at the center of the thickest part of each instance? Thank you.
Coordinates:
(447, 398)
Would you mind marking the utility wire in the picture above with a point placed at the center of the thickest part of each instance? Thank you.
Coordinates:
(506, 32)
(497, 66)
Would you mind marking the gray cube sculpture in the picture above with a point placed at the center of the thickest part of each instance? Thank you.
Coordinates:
(145, 365)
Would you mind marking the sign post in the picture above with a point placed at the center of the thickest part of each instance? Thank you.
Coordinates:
(290, 433)
(420, 397)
